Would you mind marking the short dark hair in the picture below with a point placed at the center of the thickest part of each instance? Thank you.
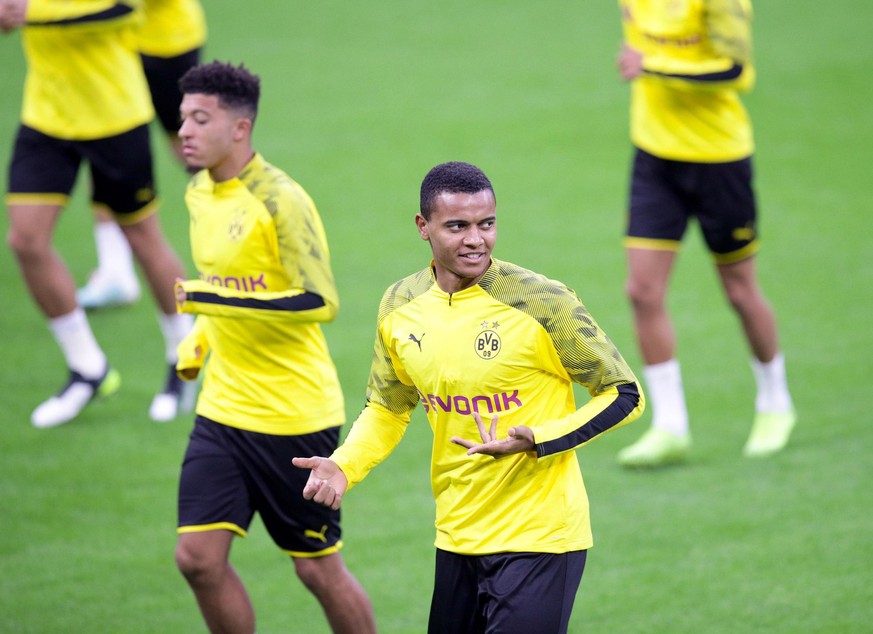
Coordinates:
(454, 177)
(235, 86)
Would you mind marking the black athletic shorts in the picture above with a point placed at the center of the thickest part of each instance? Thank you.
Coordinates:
(163, 75)
(510, 593)
(666, 194)
(121, 170)
(228, 474)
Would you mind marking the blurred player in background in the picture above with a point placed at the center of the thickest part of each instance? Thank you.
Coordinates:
(471, 337)
(85, 100)
(271, 391)
(687, 61)
(170, 40)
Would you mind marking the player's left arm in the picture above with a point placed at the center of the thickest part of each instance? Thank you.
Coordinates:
(592, 360)
(301, 248)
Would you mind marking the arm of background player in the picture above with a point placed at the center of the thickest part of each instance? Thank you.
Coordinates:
(728, 29)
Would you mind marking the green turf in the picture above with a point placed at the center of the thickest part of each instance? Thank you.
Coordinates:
(359, 100)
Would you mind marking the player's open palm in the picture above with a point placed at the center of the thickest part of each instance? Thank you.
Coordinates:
(327, 483)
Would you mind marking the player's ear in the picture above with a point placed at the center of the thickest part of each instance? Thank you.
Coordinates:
(242, 128)
(421, 223)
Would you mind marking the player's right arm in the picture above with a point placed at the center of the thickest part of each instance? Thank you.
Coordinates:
(379, 428)
(12, 14)
(326, 484)
(191, 352)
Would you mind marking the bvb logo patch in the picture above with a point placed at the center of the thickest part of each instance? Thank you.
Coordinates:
(237, 225)
(488, 344)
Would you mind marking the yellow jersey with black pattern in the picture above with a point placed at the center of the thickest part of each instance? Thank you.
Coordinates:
(510, 346)
(697, 58)
(265, 286)
(171, 28)
(84, 75)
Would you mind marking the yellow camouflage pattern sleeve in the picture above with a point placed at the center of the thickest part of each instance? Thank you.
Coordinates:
(586, 353)
(728, 25)
(303, 248)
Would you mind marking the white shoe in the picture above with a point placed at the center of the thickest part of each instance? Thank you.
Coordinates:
(176, 398)
(70, 401)
(103, 291)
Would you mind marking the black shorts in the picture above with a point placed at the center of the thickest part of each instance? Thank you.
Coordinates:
(122, 181)
(666, 194)
(228, 474)
(163, 75)
(506, 592)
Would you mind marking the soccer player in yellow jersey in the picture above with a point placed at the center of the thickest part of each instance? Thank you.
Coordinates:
(85, 101)
(271, 391)
(491, 351)
(687, 61)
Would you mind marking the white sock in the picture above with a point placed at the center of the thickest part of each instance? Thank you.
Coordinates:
(773, 396)
(174, 327)
(81, 350)
(666, 396)
(114, 257)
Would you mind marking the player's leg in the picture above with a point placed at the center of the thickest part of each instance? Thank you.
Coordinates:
(114, 281)
(646, 288)
(657, 222)
(310, 533)
(45, 274)
(213, 507)
(202, 558)
(774, 412)
(122, 177)
(529, 592)
(343, 599)
(668, 440)
(728, 220)
(455, 607)
(51, 285)
(41, 176)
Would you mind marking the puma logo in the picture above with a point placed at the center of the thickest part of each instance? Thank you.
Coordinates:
(418, 341)
(319, 535)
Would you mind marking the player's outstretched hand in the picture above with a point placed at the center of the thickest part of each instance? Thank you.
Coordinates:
(518, 440)
(327, 483)
(13, 14)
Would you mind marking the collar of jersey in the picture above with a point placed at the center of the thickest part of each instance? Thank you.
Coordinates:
(482, 284)
(254, 166)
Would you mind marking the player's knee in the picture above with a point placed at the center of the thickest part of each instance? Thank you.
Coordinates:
(643, 295)
(318, 574)
(741, 295)
(194, 564)
(26, 245)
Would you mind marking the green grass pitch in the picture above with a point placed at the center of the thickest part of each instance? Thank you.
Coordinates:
(359, 101)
